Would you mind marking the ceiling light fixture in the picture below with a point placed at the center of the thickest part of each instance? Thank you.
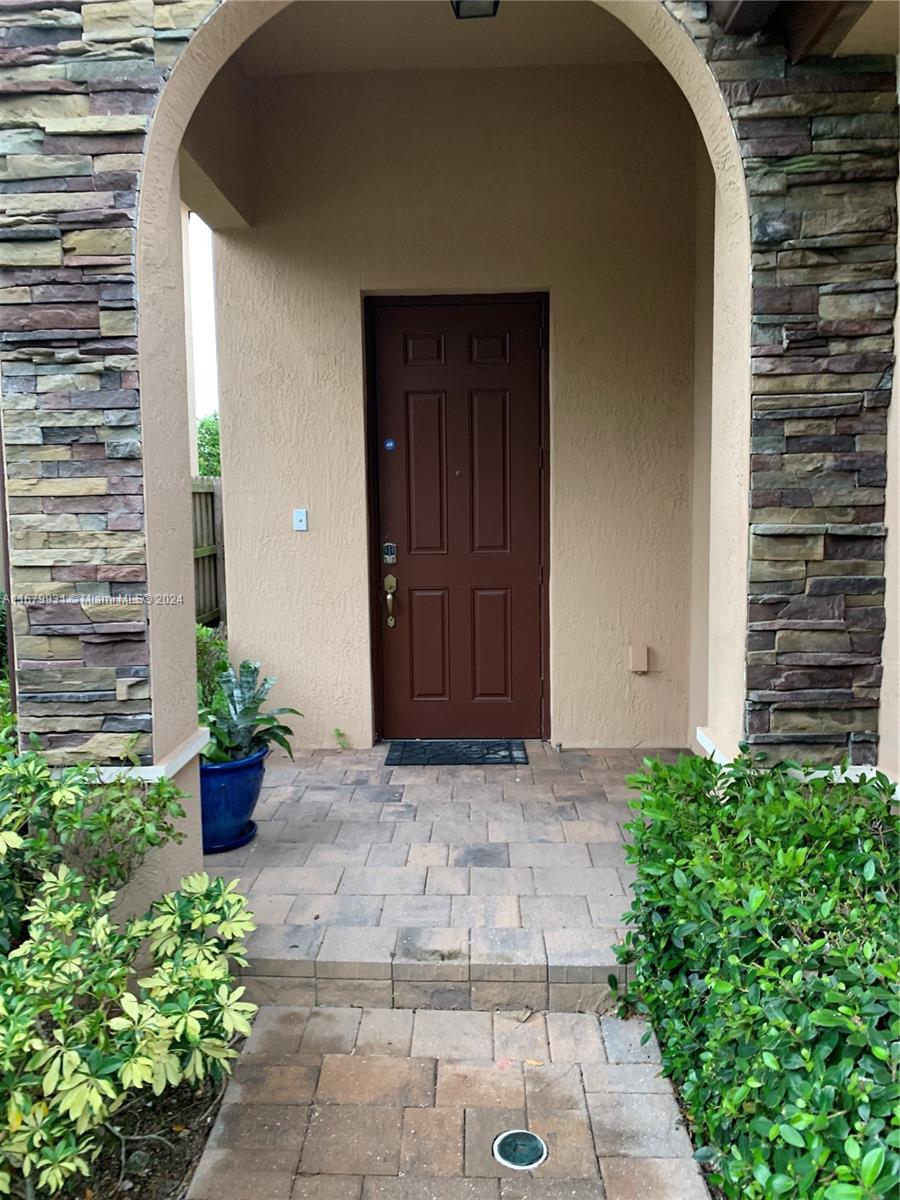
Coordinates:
(465, 9)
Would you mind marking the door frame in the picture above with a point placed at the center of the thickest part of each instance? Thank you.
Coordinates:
(371, 304)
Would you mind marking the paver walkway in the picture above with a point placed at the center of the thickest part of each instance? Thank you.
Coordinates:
(386, 897)
(458, 887)
(387, 1104)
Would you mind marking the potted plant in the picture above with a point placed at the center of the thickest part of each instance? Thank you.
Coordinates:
(233, 761)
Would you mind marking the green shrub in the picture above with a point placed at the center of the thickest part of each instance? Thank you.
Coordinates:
(209, 455)
(8, 732)
(93, 1012)
(80, 1032)
(212, 660)
(765, 955)
(105, 828)
(4, 647)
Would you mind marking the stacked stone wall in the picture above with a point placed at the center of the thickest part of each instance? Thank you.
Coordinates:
(819, 145)
(79, 82)
(78, 85)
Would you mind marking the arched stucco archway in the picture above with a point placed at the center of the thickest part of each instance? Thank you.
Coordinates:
(163, 379)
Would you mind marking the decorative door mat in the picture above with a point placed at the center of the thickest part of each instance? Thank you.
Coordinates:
(458, 753)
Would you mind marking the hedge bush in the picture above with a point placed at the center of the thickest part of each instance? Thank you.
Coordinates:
(8, 730)
(209, 453)
(94, 1011)
(49, 816)
(212, 660)
(766, 956)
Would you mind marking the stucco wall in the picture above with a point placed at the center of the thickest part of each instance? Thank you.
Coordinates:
(729, 481)
(169, 544)
(485, 181)
(163, 869)
(796, 137)
(219, 144)
(704, 250)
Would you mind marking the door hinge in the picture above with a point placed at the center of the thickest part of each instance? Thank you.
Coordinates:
(542, 687)
(540, 336)
(540, 576)
(541, 457)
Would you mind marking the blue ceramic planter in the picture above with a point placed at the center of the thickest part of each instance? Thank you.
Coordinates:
(228, 795)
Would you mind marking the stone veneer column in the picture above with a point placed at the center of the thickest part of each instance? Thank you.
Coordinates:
(819, 140)
(819, 144)
(78, 84)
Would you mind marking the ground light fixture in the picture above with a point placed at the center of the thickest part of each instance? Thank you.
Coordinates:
(464, 9)
(519, 1150)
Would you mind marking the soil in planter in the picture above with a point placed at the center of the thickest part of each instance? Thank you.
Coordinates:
(165, 1138)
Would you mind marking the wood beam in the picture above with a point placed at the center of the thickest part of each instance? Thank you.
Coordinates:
(817, 26)
(743, 16)
(807, 26)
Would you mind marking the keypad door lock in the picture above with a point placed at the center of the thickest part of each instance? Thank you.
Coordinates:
(389, 553)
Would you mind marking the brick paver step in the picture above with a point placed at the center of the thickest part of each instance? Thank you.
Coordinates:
(365, 1104)
(450, 888)
(442, 967)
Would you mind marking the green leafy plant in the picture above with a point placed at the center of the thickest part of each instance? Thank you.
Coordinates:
(765, 954)
(93, 1013)
(237, 725)
(208, 450)
(106, 828)
(84, 1027)
(212, 660)
(342, 740)
(9, 739)
(4, 648)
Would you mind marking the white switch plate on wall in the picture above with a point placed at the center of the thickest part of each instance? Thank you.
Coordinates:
(301, 524)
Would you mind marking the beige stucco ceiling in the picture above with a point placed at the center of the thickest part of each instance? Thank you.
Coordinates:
(313, 37)
(876, 32)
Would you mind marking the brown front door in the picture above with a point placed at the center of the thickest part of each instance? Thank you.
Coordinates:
(458, 445)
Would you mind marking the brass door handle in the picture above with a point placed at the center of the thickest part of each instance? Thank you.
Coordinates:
(390, 587)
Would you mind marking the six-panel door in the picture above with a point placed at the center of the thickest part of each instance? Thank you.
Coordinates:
(458, 396)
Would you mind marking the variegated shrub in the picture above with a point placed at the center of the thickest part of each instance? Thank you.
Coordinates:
(94, 1011)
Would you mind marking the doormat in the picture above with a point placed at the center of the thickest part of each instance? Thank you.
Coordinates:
(504, 752)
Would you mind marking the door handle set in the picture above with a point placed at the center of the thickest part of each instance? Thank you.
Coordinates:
(390, 587)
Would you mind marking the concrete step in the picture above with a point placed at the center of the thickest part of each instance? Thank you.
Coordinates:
(380, 1104)
(479, 968)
